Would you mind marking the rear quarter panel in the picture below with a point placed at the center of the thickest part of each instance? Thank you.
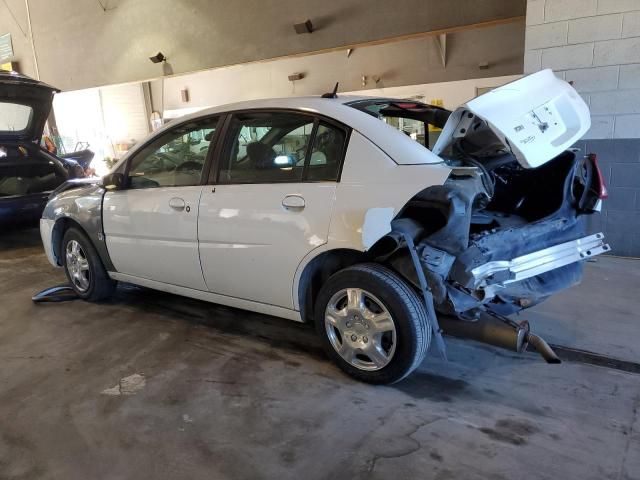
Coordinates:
(370, 179)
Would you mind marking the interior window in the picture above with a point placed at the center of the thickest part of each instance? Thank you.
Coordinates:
(175, 159)
(266, 148)
(326, 154)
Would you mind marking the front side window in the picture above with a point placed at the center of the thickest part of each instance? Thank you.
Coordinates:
(175, 159)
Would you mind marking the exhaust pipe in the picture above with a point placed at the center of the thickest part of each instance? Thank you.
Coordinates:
(543, 348)
(501, 333)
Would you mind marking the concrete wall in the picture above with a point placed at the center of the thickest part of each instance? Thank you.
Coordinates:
(596, 45)
(409, 62)
(79, 45)
(451, 94)
(234, 84)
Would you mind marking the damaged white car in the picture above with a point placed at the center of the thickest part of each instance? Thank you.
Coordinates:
(364, 215)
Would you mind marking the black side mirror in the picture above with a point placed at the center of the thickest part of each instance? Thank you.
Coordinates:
(113, 181)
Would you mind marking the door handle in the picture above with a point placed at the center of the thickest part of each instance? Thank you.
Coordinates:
(177, 203)
(293, 202)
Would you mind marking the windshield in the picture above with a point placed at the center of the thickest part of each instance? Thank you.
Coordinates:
(14, 117)
(423, 123)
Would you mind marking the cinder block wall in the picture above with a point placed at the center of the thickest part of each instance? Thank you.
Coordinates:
(596, 44)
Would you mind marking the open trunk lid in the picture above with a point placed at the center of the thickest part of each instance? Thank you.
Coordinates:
(25, 105)
(536, 118)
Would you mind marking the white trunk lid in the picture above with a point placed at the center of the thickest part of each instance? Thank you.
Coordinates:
(537, 118)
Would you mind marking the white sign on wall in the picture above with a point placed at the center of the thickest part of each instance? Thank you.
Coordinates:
(6, 47)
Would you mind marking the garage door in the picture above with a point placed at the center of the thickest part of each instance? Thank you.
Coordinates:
(124, 112)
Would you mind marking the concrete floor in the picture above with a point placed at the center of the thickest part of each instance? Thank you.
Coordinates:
(211, 392)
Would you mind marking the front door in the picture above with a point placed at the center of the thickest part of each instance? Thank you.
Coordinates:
(151, 227)
(270, 205)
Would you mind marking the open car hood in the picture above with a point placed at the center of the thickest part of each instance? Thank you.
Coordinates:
(535, 118)
(18, 91)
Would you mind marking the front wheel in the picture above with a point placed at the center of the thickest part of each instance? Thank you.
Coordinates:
(83, 267)
(372, 323)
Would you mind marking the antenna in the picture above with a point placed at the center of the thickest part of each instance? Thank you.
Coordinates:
(333, 94)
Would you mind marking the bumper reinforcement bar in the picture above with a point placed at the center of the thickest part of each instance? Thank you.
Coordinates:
(494, 275)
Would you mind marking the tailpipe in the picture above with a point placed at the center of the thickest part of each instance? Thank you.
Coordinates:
(500, 332)
(543, 348)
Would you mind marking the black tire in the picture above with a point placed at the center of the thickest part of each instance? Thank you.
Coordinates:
(100, 285)
(413, 332)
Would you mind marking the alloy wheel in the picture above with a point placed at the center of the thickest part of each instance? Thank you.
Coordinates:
(360, 329)
(78, 266)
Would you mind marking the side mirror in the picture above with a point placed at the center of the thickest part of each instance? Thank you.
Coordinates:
(113, 181)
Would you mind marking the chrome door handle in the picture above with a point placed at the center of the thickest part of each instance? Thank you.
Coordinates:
(293, 202)
(177, 203)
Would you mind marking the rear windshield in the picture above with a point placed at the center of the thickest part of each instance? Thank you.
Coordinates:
(423, 123)
(14, 117)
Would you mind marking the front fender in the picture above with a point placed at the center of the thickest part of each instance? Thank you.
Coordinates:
(78, 206)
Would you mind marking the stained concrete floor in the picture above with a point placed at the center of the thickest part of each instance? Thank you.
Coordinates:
(211, 392)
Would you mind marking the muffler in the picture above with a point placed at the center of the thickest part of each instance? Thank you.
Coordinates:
(500, 332)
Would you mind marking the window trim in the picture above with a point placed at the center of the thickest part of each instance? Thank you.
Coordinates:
(208, 157)
(214, 173)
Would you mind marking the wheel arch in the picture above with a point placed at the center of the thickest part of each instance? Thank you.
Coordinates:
(315, 273)
(62, 224)
(57, 234)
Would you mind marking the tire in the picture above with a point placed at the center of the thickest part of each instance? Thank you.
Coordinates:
(98, 284)
(406, 337)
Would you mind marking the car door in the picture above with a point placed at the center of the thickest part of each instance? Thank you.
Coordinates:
(269, 203)
(151, 226)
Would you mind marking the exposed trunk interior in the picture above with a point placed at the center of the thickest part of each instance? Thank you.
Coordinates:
(491, 209)
(27, 171)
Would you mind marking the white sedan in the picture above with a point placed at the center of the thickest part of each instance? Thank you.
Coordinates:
(363, 215)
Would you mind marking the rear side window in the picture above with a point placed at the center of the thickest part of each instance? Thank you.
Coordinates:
(326, 154)
(277, 147)
(266, 148)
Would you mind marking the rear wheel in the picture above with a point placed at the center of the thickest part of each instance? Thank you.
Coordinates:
(372, 324)
(84, 268)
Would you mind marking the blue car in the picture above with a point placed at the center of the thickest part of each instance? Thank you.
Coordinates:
(28, 172)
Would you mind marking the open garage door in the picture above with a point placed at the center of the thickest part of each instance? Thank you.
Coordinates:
(125, 115)
(110, 119)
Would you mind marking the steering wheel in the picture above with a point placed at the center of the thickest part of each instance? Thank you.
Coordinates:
(189, 165)
(156, 163)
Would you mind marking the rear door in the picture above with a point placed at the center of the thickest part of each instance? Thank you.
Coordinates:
(269, 204)
(151, 227)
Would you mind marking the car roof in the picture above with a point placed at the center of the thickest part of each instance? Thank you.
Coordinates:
(401, 148)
